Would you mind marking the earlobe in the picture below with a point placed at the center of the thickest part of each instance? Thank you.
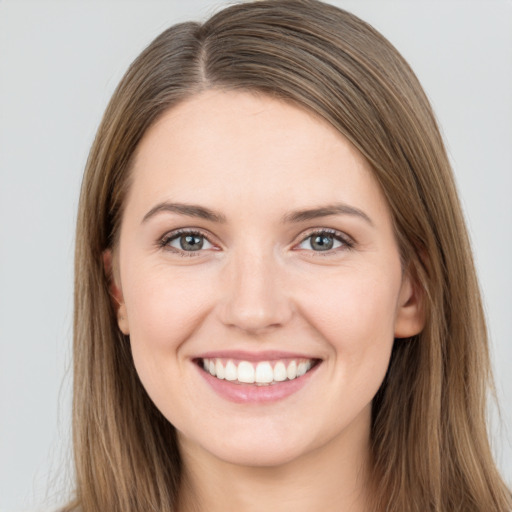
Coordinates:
(122, 319)
(410, 316)
(116, 293)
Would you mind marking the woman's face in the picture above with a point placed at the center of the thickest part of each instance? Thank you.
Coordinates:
(256, 243)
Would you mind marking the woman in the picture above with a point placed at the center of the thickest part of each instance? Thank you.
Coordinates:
(276, 304)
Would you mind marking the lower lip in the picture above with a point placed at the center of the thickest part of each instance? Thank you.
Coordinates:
(252, 393)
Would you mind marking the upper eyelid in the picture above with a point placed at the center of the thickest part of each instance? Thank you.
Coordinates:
(176, 233)
(199, 231)
(183, 231)
(347, 239)
(331, 231)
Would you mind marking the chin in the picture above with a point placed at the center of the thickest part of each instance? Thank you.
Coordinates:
(246, 448)
(258, 456)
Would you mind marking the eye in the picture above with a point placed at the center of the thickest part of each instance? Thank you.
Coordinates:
(323, 241)
(186, 241)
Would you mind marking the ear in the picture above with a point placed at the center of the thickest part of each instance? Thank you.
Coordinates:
(116, 293)
(410, 315)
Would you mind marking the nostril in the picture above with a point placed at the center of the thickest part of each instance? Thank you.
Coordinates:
(254, 318)
(254, 296)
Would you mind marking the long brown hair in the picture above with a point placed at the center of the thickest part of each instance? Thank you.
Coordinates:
(429, 440)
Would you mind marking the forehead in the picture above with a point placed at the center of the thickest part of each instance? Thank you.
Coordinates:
(223, 146)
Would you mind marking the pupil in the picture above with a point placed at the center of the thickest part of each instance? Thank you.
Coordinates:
(191, 242)
(322, 242)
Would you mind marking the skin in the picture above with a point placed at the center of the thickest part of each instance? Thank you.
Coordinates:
(259, 284)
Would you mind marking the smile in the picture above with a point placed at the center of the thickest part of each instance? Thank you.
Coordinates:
(263, 373)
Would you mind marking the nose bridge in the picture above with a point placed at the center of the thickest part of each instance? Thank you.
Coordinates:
(255, 298)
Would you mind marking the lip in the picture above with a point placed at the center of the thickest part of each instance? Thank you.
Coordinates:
(251, 393)
(253, 357)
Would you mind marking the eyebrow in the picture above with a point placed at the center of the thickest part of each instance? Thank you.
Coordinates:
(190, 210)
(325, 211)
(193, 210)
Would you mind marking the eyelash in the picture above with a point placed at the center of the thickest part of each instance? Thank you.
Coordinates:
(347, 242)
(169, 237)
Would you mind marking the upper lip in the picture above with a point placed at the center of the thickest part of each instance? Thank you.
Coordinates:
(242, 355)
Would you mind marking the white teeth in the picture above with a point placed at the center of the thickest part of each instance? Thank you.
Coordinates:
(231, 372)
(301, 369)
(219, 370)
(264, 373)
(291, 371)
(245, 372)
(280, 372)
(261, 374)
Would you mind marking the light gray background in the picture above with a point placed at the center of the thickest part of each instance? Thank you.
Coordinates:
(59, 64)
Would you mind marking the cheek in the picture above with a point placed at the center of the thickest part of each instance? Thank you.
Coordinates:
(356, 317)
(356, 302)
(164, 308)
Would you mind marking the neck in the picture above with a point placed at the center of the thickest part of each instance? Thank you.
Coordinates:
(332, 478)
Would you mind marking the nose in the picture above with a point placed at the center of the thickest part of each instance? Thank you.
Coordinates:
(254, 295)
